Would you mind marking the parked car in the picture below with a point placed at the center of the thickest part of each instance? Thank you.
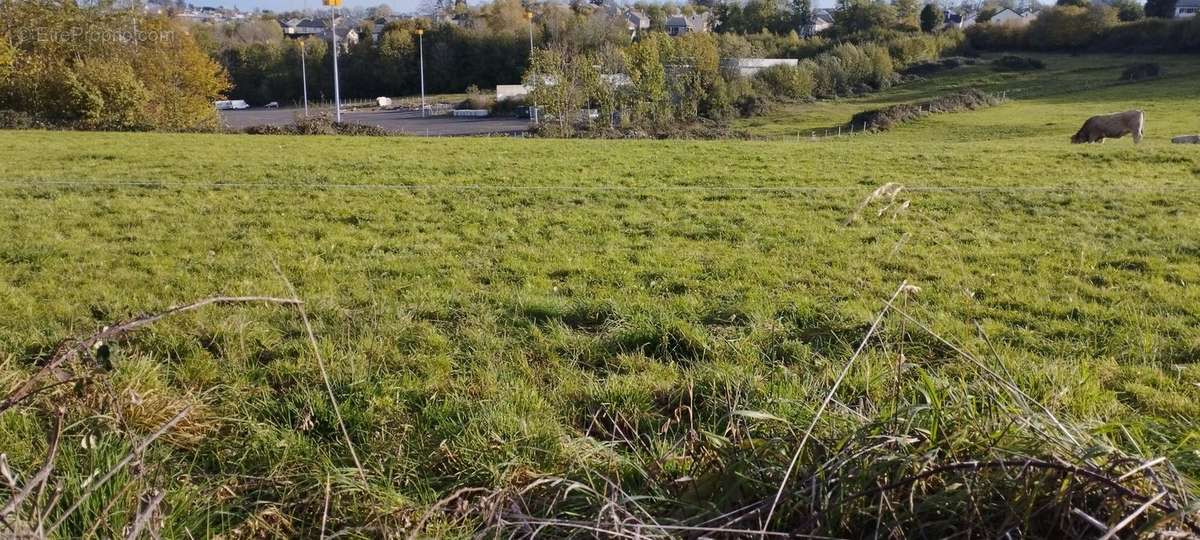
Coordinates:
(272, 105)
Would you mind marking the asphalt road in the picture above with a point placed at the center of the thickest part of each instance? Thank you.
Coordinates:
(396, 121)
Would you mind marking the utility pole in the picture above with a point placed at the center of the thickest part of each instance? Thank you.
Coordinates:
(421, 41)
(337, 91)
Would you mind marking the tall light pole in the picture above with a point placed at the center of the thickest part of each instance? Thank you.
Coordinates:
(533, 113)
(421, 42)
(529, 17)
(304, 74)
(337, 91)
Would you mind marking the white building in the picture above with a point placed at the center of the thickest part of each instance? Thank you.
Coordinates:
(1186, 9)
(747, 67)
(1008, 16)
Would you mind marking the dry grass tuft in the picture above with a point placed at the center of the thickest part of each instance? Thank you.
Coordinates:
(886, 193)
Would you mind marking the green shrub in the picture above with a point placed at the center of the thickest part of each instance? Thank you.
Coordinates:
(19, 120)
(913, 48)
(786, 82)
(318, 125)
(105, 94)
(1095, 29)
(1070, 27)
(855, 63)
(883, 69)
(476, 99)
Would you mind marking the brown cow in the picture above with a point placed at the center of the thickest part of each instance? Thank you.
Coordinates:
(1116, 125)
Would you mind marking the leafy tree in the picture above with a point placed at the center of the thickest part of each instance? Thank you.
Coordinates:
(861, 17)
(7, 56)
(801, 11)
(1075, 3)
(643, 61)
(181, 80)
(986, 14)
(1069, 27)
(695, 79)
(157, 78)
(105, 93)
(907, 12)
(382, 10)
(931, 17)
(1128, 10)
(1164, 9)
(562, 82)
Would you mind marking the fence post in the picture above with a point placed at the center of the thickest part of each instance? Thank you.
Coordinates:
(839, 131)
(814, 136)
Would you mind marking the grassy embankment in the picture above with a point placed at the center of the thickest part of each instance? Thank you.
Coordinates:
(656, 318)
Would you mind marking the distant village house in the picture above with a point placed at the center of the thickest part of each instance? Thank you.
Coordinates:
(1186, 9)
(678, 25)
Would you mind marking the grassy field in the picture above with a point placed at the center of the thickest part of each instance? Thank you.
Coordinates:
(614, 334)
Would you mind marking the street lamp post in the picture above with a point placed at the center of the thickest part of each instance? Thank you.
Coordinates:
(533, 113)
(421, 44)
(337, 91)
(304, 75)
(529, 17)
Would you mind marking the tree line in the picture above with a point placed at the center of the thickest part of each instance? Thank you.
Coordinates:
(662, 85)
(1092, 28)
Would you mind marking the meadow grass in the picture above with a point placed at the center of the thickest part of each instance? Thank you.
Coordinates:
(618, 332)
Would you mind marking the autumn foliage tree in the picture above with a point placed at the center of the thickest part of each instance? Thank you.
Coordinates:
(94, 67)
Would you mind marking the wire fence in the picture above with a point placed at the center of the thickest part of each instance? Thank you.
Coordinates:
(415, 187)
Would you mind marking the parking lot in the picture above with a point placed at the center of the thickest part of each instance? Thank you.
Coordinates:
(403, 121)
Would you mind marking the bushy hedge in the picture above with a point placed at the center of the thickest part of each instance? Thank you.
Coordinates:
(20, 120)
(889, 117)
(317, 125)
(845, 69)
(1094, 29)
(785, 82)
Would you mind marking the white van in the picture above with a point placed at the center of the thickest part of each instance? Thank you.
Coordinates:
(231, 105)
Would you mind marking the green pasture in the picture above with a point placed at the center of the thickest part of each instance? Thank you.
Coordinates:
(649, 318)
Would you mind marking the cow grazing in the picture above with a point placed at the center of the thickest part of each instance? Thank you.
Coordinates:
(1186, 139)
(1114, 126)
